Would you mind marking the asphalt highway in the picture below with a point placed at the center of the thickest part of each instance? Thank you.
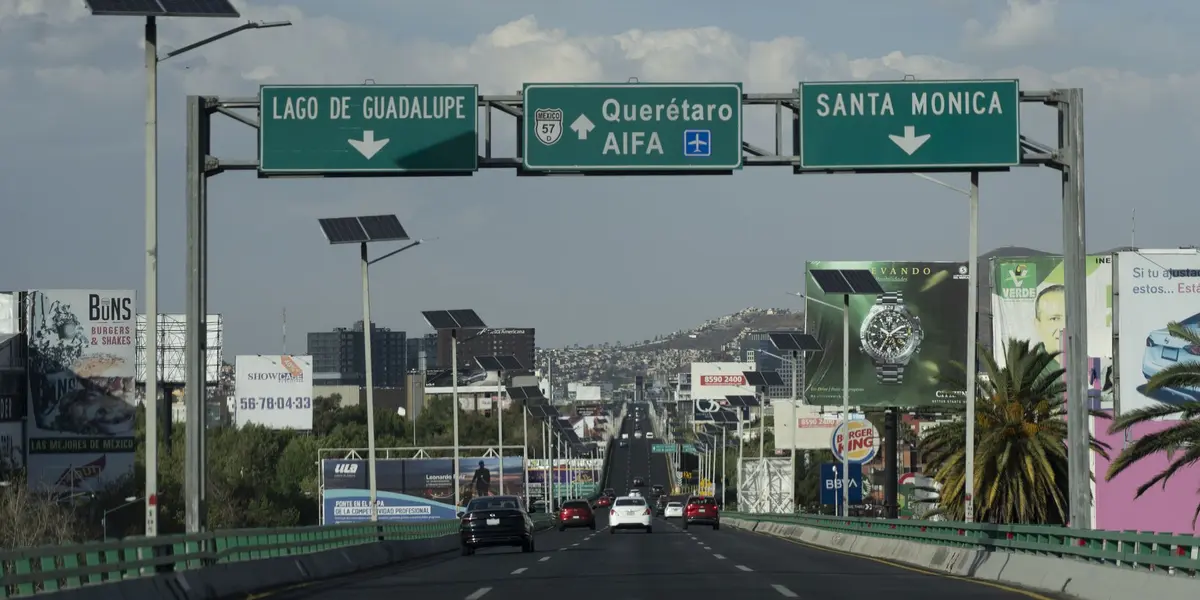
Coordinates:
(666, 564)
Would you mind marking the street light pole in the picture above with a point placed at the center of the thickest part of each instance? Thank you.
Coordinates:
(846, 405)
(369, 381)
(500, 425)
(454, 411)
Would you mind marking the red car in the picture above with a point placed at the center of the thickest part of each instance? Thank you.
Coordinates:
(576, 513)
(604, 502)
(701, 510)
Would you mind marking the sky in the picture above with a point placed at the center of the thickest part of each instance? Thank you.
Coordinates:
(582, 260)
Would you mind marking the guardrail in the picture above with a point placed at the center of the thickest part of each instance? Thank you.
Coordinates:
(35, 571)
(1146, 551)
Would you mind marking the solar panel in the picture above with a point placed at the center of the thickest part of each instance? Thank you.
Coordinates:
(516, 393)
(383, 228)
(162, 8)
(509, 363)
(747, 400)
(755, 378)
(831, 281)
(862, 281)
(343, 230)
(783, 341)
(439, 319)
(467, 319)
(807, 343)
(488, 363)
(771, 377)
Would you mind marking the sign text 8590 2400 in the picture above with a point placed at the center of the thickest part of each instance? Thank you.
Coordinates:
(273, 403)
(737, 379)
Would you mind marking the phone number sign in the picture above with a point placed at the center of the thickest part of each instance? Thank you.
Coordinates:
(274, 391)
(732, 379)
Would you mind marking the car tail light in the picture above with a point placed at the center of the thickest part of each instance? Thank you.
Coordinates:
(1149, 342)
(612, 513)
(647, 511)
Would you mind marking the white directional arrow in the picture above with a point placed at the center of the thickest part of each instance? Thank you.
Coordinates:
(369, 146)
(910, 142)
(583, 126)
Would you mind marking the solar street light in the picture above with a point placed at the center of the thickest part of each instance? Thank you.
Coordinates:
(363, 231)
(846, 282)
(194, 463)
(453, 321)
(499, 364)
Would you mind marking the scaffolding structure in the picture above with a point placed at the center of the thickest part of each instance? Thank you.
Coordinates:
(172, 333)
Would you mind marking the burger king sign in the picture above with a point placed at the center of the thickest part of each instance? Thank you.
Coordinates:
(864, 441)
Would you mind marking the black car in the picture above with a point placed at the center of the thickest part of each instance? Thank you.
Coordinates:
(638, 482)
(657, 490)
(495, 521)
(660, 504)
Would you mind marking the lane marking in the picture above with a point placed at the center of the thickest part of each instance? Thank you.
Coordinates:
(546, 558)
(998, 586)
(560, 550)
(719, 556)
(786, 593)
(744, 568)
(707, 548)
(519, 571)
(479, 593)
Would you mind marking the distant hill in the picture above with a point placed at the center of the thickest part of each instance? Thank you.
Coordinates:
(723, 333)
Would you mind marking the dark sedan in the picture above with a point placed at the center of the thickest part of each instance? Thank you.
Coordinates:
(495, 521)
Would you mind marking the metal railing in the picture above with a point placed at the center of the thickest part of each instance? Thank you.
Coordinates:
(35, 571)
(1147, 551)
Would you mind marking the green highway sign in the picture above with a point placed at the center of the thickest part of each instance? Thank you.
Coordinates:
(368, 129)
(663, 448)
(910, 125)
(632, 127)
(688, 448)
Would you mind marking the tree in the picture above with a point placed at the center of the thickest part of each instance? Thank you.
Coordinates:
(1020, 441)
(1181, 442)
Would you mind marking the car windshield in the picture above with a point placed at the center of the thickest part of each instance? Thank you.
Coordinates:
(631, 502)
(492, 504)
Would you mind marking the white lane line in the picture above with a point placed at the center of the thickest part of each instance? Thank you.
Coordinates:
(546, 558)
(519, 571)
(707, 548)
(744, 568)
(575, 544)
(786, 593)
(479, 593)
(719, 556)
(560, 550)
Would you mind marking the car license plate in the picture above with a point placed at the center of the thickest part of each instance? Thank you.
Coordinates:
(491, 522)
(575, 517)
(1170, 353)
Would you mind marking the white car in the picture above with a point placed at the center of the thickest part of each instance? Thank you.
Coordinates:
(630, 512)
(624, 436)
(637, 434)
(649, 434)
(674, 510)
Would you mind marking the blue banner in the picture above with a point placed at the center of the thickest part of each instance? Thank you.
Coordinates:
(412, 489)
(831, 483)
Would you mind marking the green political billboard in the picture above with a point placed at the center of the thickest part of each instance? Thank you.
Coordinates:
(901, 342)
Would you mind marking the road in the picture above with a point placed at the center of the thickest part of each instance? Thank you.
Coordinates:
(669, 563)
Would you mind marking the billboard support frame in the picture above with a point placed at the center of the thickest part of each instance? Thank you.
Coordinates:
(1066, 156)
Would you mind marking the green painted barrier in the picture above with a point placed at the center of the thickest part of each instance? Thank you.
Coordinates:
(1147, 551)
(36, 571)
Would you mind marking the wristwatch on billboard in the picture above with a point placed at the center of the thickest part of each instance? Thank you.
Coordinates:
(891, 334)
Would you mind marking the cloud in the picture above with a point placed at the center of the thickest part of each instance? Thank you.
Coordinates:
(1023, 23)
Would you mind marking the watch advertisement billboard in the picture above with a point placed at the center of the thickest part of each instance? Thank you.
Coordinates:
(803, 427)
(411, 489)
(274, 391)
(81, 365)
(901, 341)
(1154, 289)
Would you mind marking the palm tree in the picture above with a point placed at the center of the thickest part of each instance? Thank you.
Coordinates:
(1020, 441)
(1185, 435)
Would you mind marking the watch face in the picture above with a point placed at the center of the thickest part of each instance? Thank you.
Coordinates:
(891, 335)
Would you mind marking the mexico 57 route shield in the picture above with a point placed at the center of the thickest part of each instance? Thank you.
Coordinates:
(632, 127)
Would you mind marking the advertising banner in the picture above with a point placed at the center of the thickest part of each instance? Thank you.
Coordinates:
(803, 427)
(411, 489)
(864, 441)
(274, 391)
(1155, 288)
(1163, 508)
(901, 341)
(12, 447)
(1029, 303)
(831, 484)
(81, 366)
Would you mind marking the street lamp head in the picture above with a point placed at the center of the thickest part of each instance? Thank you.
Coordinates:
(269, 24)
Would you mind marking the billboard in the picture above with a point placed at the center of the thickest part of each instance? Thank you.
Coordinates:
(12, 447)
(803, 427)
(1029, 303)
(715, 380)
(900, 342)
(80, 429)
(274, 391)
(411, 489)
(1154, 288)
(864, 441)
(831, 484)
(1167, 509)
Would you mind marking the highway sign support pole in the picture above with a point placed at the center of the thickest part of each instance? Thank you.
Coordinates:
(972, 342)
(151, 333)
(846, 405)
(196, 308)
(369, 381)
(454, 411)
(1070, 123)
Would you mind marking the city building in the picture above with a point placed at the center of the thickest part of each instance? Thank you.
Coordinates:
(427, 343)
(338, 356)
(488, 342)
(756, 347)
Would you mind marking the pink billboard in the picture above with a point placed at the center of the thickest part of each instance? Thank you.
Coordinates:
(1163, 510)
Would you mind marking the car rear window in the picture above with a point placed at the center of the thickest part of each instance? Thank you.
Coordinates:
(705, 501)
(674, 504)
(631, 502)
(576, 504)
(491, 504)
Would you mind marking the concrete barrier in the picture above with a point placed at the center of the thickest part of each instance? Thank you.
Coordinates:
(1044, 573)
